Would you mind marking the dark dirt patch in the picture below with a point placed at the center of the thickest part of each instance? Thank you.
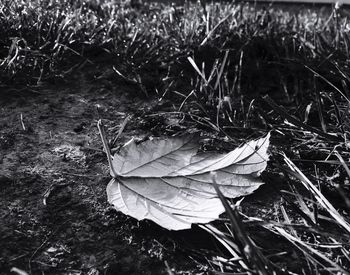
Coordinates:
(55, 157)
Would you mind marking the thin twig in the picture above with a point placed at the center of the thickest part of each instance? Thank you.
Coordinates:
(22, 123)
(121, 129)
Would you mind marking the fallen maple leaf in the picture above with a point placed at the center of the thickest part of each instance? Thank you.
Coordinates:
(168, 182)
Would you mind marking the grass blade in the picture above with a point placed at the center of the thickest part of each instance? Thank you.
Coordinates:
(294, 170)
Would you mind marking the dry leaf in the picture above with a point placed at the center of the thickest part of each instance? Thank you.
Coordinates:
(166, 181)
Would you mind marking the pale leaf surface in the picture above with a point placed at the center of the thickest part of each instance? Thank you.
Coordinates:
(170, 208)
(156, 157)
(166, 181)
(247, 159)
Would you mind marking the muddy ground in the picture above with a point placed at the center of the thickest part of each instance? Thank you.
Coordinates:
(54, 214)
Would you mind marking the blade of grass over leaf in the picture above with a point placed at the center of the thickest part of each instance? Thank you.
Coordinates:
(249, 251)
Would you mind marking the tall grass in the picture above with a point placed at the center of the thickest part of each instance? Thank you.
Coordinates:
(39, 38)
